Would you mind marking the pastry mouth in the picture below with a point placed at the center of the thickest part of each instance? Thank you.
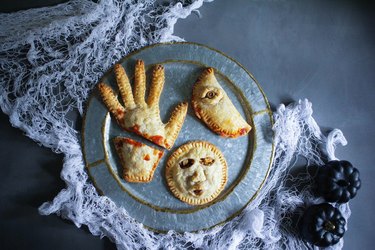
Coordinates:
(198, 192)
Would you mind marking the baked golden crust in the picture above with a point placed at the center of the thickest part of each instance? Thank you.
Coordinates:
(212, 105)
(139, 83)
(110, 100)
(137, 115)
(196, 172)
(138, 160)
(124, 86)
(157, 85)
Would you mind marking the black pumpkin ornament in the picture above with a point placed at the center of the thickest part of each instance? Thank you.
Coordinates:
(322, 225)
(338, 181)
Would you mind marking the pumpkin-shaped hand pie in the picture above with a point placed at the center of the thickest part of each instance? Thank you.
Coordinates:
(322, 225)
(196, 172)
(138, 160)
(212, 105)
(138, 115)
(338, 181)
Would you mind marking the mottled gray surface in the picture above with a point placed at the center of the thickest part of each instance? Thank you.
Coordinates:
(322, 50)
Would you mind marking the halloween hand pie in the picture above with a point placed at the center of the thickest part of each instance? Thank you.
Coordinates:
(212, 105)
(138, 160)
(138, 115)
(196, 172)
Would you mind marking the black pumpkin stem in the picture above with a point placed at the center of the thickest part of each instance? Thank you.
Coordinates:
(329, 226)
(343, 183)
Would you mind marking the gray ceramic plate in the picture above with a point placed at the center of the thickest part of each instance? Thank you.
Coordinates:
(249, 158)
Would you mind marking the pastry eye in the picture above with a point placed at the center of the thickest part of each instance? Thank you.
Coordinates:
(207, 161)
(187, 163)
(211, 94)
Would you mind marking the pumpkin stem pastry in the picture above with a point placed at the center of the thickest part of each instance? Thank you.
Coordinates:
(138, 160)
(139, 115)
(212, 105)
(196, 172)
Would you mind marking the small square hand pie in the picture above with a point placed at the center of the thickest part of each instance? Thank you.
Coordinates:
(212, 105)
(196, 172)
(138, 160)
(140, 116)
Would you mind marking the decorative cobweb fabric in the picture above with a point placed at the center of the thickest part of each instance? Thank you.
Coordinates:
(50, 59)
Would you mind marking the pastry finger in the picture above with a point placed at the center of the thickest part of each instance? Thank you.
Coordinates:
(110, 101)
(139, 83)
(174, 124)
(157, 84)
(124, 86)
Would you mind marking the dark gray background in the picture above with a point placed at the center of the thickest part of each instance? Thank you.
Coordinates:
(320, 50)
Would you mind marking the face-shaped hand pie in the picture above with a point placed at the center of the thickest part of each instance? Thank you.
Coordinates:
(137, 115)
(196, 172)
(212, 105)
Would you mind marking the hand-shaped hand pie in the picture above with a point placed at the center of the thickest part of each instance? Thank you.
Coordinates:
(140, 116)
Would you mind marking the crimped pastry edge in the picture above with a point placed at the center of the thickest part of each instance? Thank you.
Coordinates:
(204, 117)
(185, 147)
(134, 178)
